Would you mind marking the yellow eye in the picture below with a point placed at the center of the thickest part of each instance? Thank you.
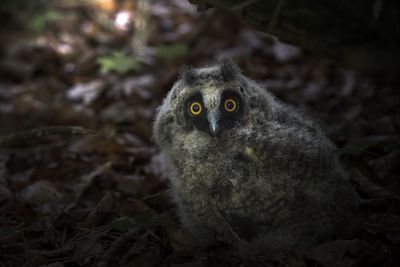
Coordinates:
(195, 108)
(230, 105)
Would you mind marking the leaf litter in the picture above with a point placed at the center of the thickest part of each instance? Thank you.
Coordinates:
(83, 199)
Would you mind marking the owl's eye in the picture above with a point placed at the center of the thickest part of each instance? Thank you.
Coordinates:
(230, 105)
(195, 108)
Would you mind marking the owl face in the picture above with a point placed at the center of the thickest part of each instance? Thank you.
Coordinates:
(212, 100)
(213, 113)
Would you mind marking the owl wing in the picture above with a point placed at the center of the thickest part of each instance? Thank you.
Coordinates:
(163, 124)
(284, 147)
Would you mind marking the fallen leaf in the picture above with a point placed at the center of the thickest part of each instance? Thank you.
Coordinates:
(85, 249)
(106, 206)
(338, 252)
(40, 192)
(148, 258)
(197, 263)
(86, 180)
(5, 196)
(87, 92)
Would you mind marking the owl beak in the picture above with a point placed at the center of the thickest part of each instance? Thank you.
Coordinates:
(213, 120)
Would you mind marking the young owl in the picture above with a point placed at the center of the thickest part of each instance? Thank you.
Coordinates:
(247, 169)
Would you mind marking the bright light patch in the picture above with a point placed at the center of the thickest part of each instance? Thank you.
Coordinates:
(64, 49)
(122, 20)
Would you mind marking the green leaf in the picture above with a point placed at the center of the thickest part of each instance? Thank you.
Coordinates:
(172, 51)
(39, 22)
(118, 62)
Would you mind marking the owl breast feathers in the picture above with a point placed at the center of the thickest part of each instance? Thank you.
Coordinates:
(247, 169)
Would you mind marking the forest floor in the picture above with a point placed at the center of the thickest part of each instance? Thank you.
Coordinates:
(95, 194)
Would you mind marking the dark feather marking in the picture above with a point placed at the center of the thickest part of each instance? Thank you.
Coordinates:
(188, 75)
(229, 70)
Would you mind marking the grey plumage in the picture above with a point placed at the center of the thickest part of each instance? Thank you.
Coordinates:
(263, 177)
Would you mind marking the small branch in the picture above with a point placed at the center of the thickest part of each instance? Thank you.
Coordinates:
(275, 15)
(18, 138)
(114, 249)
(230, 228)
(234, 233)
(380, 204)
(243, 5)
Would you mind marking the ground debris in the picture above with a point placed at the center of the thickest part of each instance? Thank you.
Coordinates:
(81, 181)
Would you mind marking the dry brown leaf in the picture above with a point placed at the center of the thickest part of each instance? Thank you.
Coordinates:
(133, 207)
(197, 263)
(86, 180)
(40, 192)
(132, 184)
(5, 196)
(85, 249)
(150, 257)
(106, 206)
(62, 251)
(180, 241)
(62, 85)
(56, 264)
(338, 252)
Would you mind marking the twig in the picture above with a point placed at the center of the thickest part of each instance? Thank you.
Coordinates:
(275, 14)
(244, 5)
(114, 249)
(18, 138)
(379, 204)
(234, 233)
(229, 227)
(367, 175)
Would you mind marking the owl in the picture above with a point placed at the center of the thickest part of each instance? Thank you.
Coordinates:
(247, 169)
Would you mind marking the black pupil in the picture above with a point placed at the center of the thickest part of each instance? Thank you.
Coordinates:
(196, 107)
(229, 105)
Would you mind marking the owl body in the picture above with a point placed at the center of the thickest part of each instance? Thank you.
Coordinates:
(248, 170)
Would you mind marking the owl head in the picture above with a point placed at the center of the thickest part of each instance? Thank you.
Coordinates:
(211, 100)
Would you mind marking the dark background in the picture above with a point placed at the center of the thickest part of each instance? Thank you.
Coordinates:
(96, 196)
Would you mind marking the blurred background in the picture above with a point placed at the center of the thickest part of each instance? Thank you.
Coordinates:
(97, 197)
